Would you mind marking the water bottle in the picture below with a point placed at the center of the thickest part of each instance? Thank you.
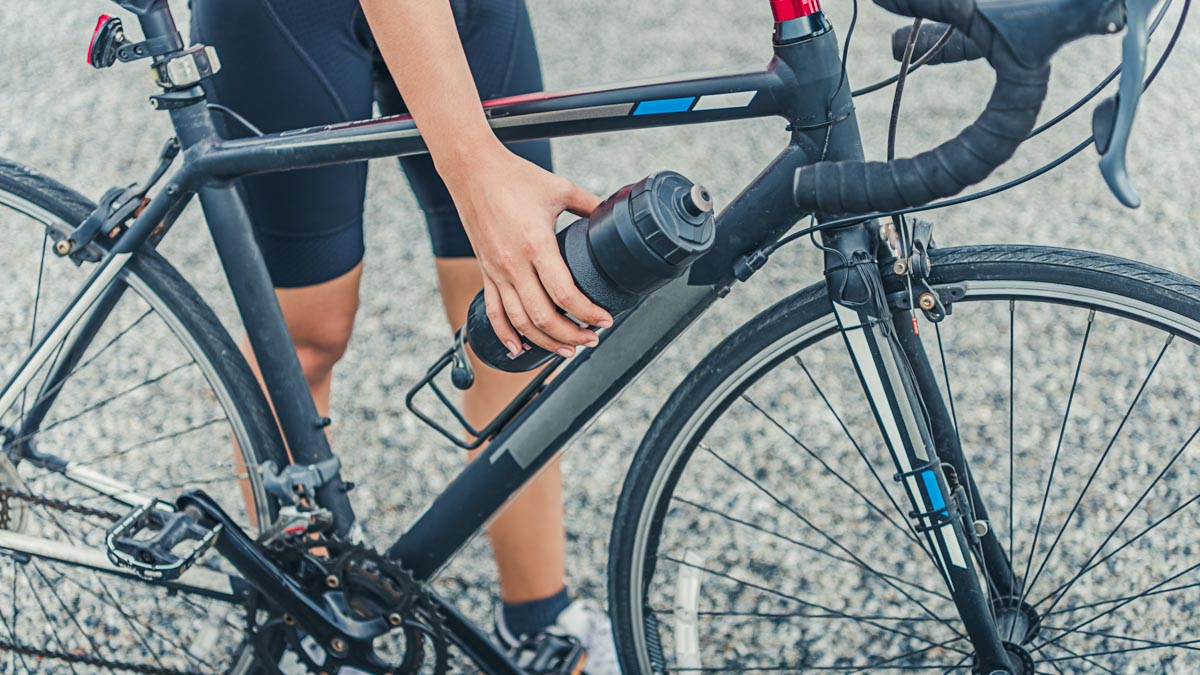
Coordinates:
(634, 243)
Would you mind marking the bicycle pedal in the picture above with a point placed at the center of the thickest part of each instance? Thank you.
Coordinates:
(147, 538)
(551, 655)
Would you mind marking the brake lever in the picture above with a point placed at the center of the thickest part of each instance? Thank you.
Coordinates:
(1112, 121)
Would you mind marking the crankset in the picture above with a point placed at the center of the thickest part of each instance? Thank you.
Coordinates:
(329, 604)
(355, 581)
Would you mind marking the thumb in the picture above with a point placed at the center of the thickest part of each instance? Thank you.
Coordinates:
(580, 201)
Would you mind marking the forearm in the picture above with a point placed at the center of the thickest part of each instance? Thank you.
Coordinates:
(419, 41)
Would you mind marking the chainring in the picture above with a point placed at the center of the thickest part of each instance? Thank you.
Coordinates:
(372, 587)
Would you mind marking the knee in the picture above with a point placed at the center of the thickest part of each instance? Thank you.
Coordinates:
(321, 346)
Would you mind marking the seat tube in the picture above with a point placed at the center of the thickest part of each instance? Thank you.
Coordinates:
(246, 272)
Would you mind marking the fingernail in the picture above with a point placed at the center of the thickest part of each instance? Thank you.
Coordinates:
(607, 323)
(593, 342)
(566, 352)
(513, 352)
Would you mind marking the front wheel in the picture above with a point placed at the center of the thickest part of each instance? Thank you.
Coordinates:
(760, 528)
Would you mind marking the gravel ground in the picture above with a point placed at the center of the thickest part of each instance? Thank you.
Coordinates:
(93, 129)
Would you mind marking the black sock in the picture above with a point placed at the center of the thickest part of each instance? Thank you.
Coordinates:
(527, 618)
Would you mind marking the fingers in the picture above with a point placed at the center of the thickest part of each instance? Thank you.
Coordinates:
(499, 319)
(561, 289)
(523, 322)
(545, 316)
(580, 201)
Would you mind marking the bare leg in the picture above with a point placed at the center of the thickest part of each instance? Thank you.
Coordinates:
(320, 319)
(529, 539)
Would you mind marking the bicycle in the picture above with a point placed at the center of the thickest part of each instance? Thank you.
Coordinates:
(87, 533)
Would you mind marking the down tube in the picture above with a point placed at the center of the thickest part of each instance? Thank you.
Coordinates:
(589, 383)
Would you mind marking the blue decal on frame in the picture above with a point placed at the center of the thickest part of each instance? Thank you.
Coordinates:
(663, 106)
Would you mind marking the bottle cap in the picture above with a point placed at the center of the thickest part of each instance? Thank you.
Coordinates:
(649, 232)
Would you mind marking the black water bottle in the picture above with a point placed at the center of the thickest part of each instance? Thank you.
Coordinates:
(634, 243)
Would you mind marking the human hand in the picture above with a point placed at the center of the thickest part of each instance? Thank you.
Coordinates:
(509, 206)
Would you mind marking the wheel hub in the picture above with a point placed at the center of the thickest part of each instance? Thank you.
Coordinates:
(1016, 621)
(1018, 624)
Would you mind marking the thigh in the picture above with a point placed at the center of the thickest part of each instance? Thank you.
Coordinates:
(498, 40)
(290, 64)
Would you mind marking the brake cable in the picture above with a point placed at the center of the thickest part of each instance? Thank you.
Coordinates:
(925, 58)
(899, 222)
(757, 259)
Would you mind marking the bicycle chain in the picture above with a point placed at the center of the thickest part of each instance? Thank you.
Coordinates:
(84, 659)
(57, 504)
(62, 506)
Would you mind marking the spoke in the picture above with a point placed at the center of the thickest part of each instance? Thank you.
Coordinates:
(937, 329)
(809, 547)
(806, 603)
(49, 623)
(787, 616)
(1076, 655)
(796, 668)
(841, 479)
(829, 538)
(956, 666)
(121, 394)
(108, 594)
(157, 439)
(912, 535)
(37, 302)
(1100, 462)
(1121, 523)
(1117, 606)
(1122, 547)
(1173, 645)
(133, 623)
(12, 628)
(1025, 587)
(67, 610)
(1187, 644)
(43, 396)
(901, 657)
(1109, 601)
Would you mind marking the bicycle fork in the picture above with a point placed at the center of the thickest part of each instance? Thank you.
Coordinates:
(885, 362)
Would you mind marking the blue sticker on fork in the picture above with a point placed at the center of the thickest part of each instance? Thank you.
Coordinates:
(936, 500)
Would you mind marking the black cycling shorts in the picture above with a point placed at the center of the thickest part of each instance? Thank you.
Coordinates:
(289, 64)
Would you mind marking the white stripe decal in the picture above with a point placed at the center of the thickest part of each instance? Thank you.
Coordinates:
(941, 560)
(21, 379)
(866, 363)
(737, 99)
(956, 554)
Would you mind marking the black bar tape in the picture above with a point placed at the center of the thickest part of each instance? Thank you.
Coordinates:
(839, 188)
(958, 48)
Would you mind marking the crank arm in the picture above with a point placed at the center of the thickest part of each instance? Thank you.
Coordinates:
(328, 624)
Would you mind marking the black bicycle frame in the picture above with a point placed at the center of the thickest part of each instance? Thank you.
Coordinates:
(804, 84)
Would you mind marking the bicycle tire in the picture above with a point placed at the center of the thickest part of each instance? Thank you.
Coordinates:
(1157, 300)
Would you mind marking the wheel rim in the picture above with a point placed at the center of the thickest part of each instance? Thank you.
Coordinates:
(154, 417)
(686, 587)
